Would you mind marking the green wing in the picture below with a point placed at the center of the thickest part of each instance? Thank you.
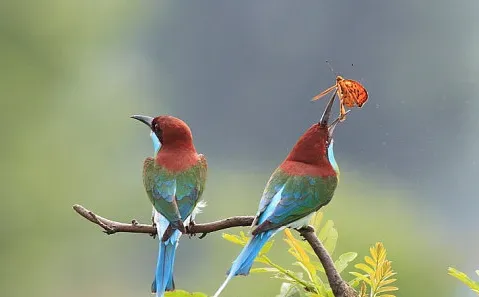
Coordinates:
(174, 194)
(190, 185)
(300, 196)
(274, 185)
(160, 185)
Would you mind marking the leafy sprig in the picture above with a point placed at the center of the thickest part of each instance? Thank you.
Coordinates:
(378, 273)
(465, 279)
(312, 281)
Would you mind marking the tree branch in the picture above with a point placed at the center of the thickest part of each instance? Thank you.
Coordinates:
(339, 287)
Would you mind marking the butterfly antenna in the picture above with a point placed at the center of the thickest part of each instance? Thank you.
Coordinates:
(331, 68)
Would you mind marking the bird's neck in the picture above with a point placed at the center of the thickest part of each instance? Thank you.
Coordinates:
(309, 156)
(177, 156)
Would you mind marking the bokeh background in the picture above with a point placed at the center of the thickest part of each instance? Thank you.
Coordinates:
(241, 74)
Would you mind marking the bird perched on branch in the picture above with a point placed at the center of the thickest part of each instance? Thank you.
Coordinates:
(174, 181)
(301, 185)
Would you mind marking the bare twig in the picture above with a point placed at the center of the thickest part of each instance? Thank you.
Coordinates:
(338, 285)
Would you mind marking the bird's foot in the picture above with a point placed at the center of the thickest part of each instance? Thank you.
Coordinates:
(154, 226)
(189, 229)
(305, 229)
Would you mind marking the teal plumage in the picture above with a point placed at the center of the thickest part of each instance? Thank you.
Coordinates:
(300, 196)
(174, 194)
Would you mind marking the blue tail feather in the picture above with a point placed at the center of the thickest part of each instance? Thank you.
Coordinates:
(164, 267)
(246, 257)
(244, 261)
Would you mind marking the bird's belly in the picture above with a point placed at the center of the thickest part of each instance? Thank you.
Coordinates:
(301, 222)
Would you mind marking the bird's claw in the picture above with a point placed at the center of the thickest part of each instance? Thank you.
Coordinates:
(190, 226)
(154, 226)
(305, 229)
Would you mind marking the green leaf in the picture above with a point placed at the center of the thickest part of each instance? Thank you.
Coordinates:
(464, 278)
(316, 220)
(262, 259)
(386, 289)
(318, 266)
(370, 261)
(290, 290)
(355, 282)
(344, 260)
(307, 247)
(306, 269)
(234, 239)
(362, 277)
(266, 247)
(328, 236)
(365, 268)
(181, 293)
(264, 269)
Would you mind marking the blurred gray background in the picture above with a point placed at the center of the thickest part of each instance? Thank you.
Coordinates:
(241, 74)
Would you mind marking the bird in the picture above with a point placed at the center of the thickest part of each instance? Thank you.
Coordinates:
(303, 183)
(174, 180)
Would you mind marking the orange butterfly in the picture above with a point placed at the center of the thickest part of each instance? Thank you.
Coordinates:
(350, 92)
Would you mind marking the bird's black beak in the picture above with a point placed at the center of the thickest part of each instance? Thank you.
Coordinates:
(326, 115)
(327, 111)
(144, 119)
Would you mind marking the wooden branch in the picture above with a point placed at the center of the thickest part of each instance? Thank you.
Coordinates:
(337, 284)
(339, 287)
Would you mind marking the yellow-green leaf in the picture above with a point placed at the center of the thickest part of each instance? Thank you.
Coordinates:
(386, 289)
(264, 269)
(181, 293)
(464, 278)
(362, 277)
(379, 272)
(234, 239)
(316, 220)
(331, 241)
(388, 281)
(363, 290)
(344, 260)
(265, 249)
(370, 261)
(262, 259)
(294, 244)
(365, 268)
(308, 270)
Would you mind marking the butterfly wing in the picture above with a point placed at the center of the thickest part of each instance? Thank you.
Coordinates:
(353, 93)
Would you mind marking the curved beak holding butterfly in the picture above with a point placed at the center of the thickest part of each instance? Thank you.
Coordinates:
(324, 122)
(327, 114)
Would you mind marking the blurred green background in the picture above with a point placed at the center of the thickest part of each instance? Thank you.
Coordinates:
(241, 75)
